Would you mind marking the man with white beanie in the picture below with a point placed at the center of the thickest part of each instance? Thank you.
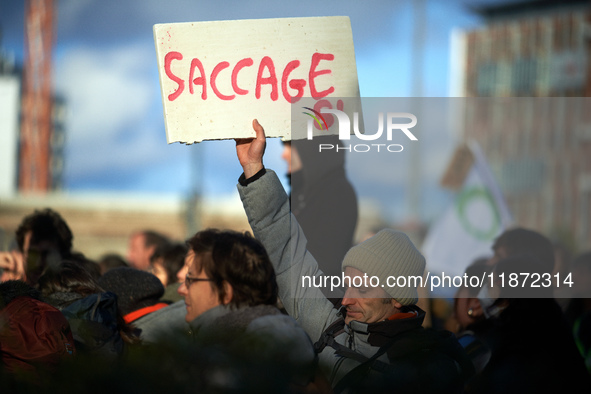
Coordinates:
(376, 339)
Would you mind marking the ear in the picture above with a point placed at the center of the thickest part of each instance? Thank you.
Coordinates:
(474, 304)
(229, 293)
(397, 304)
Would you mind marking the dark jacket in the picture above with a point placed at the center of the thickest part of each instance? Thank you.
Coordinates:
(406, 356)
(259, 336)
(93, 320)
(531, 351)
(324, 203)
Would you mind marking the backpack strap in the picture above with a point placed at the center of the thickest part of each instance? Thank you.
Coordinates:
(328, 335)
(362, 370)
(327, 338)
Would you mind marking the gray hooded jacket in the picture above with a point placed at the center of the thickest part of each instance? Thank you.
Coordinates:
(421, 356)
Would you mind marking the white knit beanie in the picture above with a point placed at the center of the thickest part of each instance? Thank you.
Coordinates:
(389, 253)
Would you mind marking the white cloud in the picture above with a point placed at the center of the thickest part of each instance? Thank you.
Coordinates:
(115, 121)
(105, 89)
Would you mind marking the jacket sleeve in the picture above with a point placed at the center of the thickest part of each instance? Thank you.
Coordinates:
(267, 207)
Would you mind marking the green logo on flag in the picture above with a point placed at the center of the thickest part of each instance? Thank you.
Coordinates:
(478, 213)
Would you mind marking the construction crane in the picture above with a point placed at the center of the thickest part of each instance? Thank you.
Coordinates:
(36, 123)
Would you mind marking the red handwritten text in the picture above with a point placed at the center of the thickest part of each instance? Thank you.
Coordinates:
(266, 78)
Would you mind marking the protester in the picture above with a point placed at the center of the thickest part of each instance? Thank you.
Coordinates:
(142, 245)
(97, 326)
(139, 296)
(527, 338)
(44, 239)
(230, 294)
(524, 241)
(519, 331)
(376, 340)
(138, 292)
(165, 263)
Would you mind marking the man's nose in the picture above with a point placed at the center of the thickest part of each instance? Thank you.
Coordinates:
(182, 290)
(347, 299)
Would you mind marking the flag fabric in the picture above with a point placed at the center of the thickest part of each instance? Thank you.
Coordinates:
(468, 228)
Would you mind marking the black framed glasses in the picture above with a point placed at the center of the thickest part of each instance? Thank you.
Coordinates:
(189, 280)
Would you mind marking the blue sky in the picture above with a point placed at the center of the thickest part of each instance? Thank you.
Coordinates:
(105, 67)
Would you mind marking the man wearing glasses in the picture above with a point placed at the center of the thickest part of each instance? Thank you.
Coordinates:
(230, 295)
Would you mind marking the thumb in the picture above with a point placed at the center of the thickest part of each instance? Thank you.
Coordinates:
(260, 132)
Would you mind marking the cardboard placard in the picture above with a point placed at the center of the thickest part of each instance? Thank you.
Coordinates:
(216, 77)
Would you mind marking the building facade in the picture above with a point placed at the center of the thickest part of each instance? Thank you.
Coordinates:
(527, 78)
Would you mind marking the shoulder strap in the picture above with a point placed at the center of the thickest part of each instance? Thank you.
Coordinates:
(328, 335)
(327, 338)
(362, 370)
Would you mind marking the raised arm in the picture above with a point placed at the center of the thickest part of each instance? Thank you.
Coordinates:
(267, 206)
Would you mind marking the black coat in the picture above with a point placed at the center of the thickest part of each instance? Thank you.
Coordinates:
(531, 351)
(324, 203)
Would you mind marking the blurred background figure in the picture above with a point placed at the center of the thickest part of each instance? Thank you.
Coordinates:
(517, 334)
(165, 263)
(44, 239)
(322, 200)
(139, 296)
(527, 335)
(142, 245)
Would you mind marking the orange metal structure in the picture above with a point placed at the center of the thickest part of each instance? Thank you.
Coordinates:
(36, 124)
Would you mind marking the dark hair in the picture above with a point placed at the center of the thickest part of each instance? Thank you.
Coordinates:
(173, 259)
(153, 238)
(11, 289)
(240, 260)
(111, 260)
(69, 277)
(46, 225)
(521, 241)
(72, 277)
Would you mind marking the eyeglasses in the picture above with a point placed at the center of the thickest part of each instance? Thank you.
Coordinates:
(189, 280)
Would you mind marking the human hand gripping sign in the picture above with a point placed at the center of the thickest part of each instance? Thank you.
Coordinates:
(250, 151)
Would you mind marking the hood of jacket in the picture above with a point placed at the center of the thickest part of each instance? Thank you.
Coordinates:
(317, 167)
(94, 323)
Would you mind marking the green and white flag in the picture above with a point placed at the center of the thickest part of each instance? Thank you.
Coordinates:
(468, 228)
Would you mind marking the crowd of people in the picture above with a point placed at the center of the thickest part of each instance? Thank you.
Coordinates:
(225, 311)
